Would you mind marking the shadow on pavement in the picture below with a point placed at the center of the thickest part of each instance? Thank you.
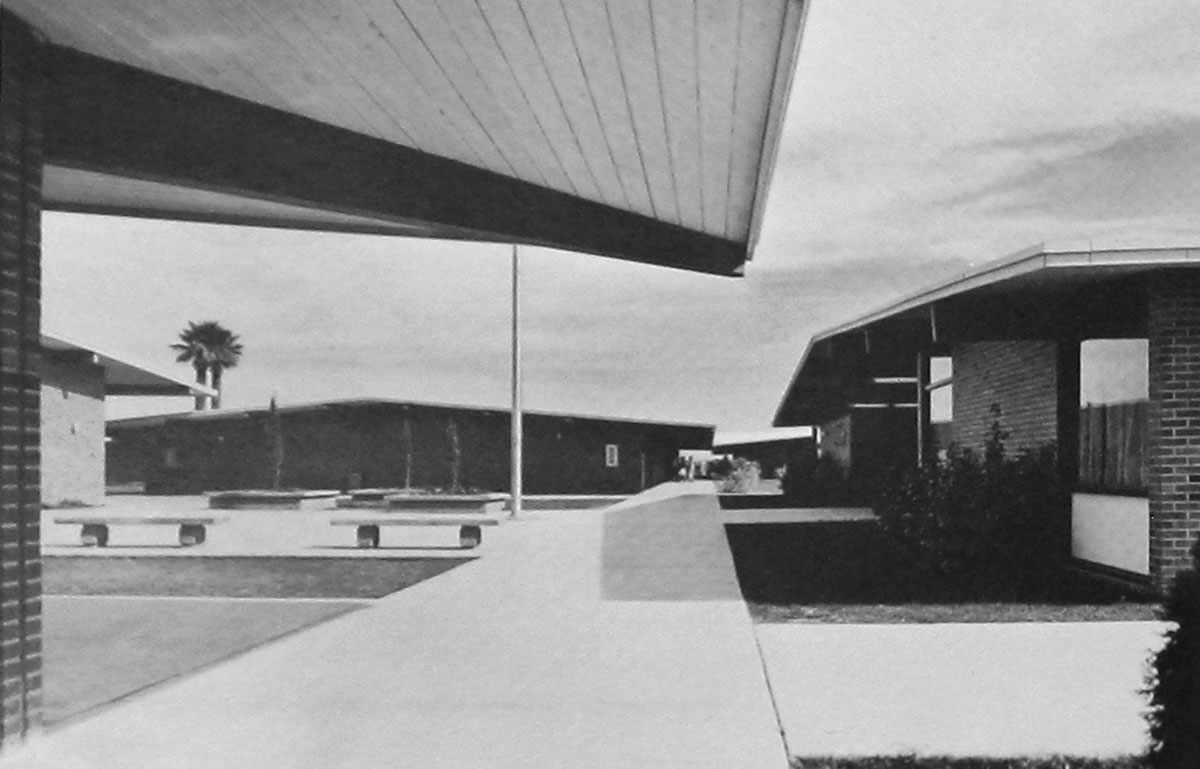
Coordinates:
(674, 550)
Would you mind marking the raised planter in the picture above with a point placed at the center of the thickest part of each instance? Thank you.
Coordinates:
(367, 498)
(263, 499)
(478, 504)
(566, 501)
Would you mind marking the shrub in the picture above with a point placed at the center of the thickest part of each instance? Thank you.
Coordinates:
(742, 477)
(1174, 682)
(814, 481)
(987, 524)
(719, 468)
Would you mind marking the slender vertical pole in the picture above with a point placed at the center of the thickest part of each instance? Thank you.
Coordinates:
(924, 418)
(515, 485)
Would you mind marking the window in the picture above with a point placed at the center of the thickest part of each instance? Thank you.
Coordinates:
(611, 455)
(171, 457)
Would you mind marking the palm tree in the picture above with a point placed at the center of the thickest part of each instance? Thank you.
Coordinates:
(210, 348)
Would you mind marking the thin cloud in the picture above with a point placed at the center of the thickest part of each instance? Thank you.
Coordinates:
(1150, 171)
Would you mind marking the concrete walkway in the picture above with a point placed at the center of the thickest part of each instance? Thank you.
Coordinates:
(590, 639)
(1015, 689)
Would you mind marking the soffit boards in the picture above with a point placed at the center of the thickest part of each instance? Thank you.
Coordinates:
(669, 109)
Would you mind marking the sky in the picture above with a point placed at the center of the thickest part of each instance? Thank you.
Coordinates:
(920, 138)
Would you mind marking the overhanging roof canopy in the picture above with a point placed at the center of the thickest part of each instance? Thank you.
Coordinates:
(121, 377)
(1036, 294)
(639, 129)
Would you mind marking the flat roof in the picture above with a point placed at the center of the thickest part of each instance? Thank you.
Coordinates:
(121, 376)
(1040, 292)
(770, 435)
(633, 129)
(243, 413)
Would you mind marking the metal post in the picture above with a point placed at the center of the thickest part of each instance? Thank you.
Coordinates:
(515, 485)
(924, 421)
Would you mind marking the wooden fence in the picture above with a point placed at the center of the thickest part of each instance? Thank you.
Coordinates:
(1112, 448)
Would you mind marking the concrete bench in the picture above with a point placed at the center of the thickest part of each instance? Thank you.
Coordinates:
(470, 533)
(95, 527)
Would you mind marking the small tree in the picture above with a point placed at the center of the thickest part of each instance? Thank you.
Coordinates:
(406, 443)
(276, 429)
(455, 456)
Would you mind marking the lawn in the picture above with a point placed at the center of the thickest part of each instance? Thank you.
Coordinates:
(101, 649)
(847, 572)
(941, 762)
(113, 627)
(239, 577)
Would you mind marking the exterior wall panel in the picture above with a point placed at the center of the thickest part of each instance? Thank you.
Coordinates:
(72, 435)
(1112, 531)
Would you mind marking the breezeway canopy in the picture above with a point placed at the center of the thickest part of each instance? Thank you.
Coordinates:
(638, 129)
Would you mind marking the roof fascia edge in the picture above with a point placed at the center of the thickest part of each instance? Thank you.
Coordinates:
(795, 21)
(1022, 262)
(775, 420)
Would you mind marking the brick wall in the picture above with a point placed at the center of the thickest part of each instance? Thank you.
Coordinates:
(20, 294)
(72, 435)
(1173, 429)
(1020, 376)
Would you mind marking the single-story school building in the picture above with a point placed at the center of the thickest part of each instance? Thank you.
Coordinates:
(1011, 335)
(384, 443)
(76, 379)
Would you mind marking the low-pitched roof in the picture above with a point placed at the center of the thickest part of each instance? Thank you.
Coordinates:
(121, 376)
(244, 413)
(1042, 292)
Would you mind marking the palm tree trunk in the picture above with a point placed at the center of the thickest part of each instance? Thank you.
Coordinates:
(201, 379)
(216, 385)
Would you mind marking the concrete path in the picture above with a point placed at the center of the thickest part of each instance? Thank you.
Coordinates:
(1016, 689)
(590, 639)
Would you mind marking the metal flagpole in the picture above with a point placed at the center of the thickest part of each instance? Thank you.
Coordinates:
(515, 508)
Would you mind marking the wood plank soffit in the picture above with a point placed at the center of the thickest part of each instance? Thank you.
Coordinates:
(111, 118)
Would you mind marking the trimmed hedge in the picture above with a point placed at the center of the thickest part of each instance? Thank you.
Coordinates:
(1174, 682)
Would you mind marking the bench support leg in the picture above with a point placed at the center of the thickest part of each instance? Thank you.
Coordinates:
(470, 536)
(94, 535)
(368, 536)
(191, 534)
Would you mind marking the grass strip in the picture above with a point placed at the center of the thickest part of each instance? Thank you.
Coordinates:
(239, 577)
(949, 762)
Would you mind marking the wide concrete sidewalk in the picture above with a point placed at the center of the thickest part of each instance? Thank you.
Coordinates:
(589, 639)
(1015, 689)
